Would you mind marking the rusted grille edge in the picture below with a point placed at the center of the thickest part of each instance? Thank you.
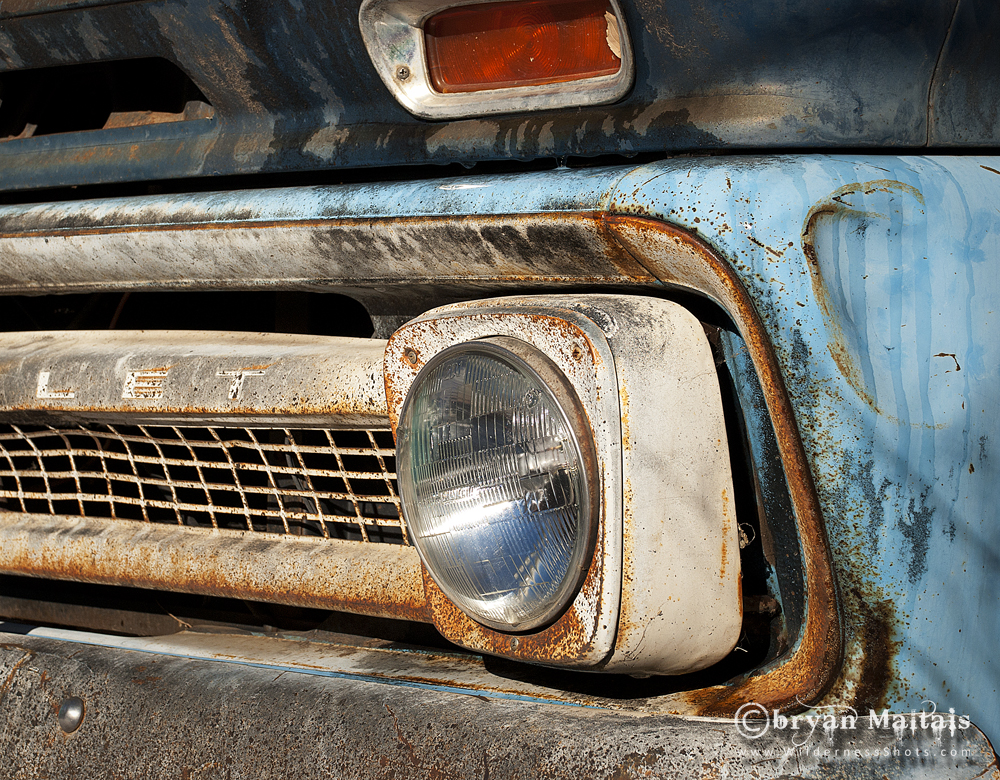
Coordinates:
(306, 482)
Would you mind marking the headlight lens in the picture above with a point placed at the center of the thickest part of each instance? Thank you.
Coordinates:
(497, 479)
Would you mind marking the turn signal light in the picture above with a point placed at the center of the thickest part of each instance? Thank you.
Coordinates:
(518, 44)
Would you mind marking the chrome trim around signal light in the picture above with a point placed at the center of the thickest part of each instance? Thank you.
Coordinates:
(393, 34)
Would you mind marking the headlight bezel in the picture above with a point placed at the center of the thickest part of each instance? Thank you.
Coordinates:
(661, 594)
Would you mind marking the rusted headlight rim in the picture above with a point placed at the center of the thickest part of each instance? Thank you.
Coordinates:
(543, 371)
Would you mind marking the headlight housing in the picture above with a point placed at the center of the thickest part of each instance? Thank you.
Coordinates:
(497, 480)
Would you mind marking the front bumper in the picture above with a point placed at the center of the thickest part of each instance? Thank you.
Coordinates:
(199, 706)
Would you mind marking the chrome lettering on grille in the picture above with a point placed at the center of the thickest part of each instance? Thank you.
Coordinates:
(145, 384)
(43, 391)
(239, 376)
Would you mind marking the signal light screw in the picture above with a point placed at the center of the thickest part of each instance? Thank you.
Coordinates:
(402, 72)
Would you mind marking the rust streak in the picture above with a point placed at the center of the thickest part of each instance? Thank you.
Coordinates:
(952, 356)
(28, 654)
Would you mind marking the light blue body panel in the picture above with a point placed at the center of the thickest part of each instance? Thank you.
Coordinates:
(878, 281)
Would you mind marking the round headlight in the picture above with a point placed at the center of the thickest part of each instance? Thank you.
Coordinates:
(498, 483)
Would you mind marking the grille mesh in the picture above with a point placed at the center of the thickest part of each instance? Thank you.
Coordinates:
(308, 482)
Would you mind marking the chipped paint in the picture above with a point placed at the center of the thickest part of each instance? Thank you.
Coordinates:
(146, 384)
(462, 139)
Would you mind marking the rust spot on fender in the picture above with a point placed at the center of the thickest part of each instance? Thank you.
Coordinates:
(879, 650)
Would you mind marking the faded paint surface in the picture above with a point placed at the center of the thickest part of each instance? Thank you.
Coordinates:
(294, 89)
(876, 280)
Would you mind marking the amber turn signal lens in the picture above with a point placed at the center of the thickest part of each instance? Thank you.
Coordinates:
(520, 44)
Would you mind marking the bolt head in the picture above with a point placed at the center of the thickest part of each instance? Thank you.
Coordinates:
(402, 72)
(71, 713)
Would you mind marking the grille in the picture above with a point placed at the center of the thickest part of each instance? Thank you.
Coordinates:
(308, 482)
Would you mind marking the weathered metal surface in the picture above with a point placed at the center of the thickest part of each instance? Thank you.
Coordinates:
(327, 238)
(176, 376)
(681, 603)
(30, 608)
(307, 724)
(667, 591)
(708, 76)
(392, 663)
(875, 281)
(684, 262)
(965, 91)
(584, 634)
(381, 580)
(837, 257)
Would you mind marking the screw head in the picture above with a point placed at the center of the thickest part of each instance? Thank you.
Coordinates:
(71, 713)
(402, 72)
(411, 356)
(514, 643)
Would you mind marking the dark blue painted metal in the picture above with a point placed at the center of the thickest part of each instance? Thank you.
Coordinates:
(294, 90)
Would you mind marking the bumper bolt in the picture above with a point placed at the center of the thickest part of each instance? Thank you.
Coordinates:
(71, 714)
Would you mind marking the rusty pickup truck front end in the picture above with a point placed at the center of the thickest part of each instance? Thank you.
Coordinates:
(400, 388)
